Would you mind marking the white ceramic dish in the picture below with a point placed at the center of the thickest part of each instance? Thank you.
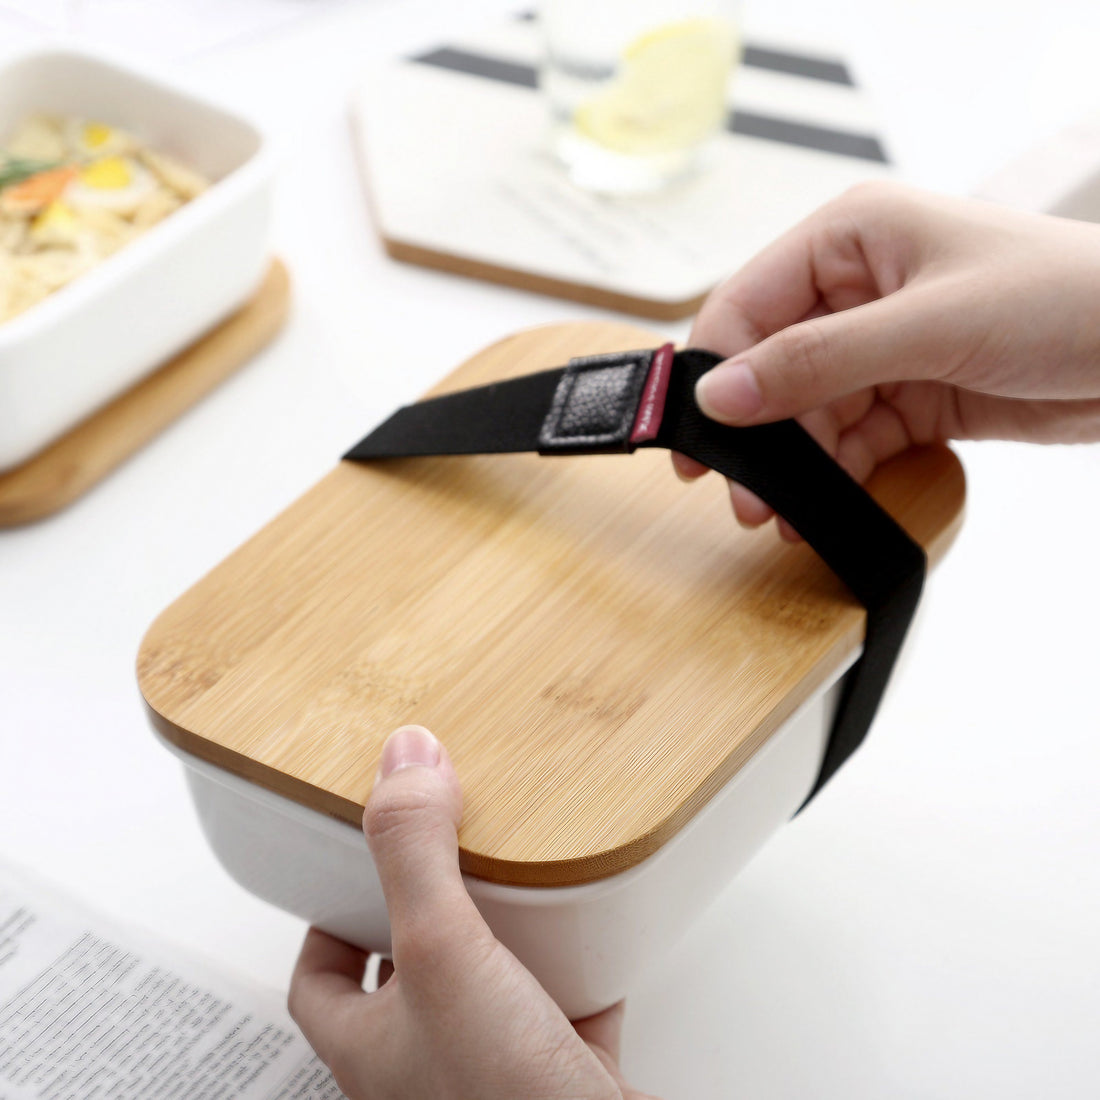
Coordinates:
(585, 944)
(74, 351)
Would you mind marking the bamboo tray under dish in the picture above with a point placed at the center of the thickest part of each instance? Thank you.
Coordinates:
(599, 645)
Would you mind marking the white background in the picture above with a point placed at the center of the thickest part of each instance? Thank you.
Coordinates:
(929, 927)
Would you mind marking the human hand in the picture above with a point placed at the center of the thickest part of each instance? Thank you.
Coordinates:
(458, 1016)
(890, 318)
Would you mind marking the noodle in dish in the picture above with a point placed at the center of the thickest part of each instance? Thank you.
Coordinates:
(72, 192)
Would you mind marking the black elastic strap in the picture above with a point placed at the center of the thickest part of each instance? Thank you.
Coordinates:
(596, 405)
(502, 417)
(863, 545)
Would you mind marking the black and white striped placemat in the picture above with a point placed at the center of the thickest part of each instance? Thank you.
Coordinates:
(767, 125)
(453, 145)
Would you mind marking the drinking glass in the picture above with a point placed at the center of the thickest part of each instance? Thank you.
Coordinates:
(636, 88)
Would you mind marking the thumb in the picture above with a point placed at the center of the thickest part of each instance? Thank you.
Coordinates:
(411, 824)
(810, 364)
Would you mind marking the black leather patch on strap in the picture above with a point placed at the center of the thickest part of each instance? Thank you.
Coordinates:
(595, 404)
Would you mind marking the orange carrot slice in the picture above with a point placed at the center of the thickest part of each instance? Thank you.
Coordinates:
(36, 192)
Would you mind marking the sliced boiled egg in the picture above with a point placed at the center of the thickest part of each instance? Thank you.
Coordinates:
(118, 184)
(97, 139)
(56, 226)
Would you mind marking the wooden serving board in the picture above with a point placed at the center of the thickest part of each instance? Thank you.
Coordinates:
(599, 645)
(81, 458)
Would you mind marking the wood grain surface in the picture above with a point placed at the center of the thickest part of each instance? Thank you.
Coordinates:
(598, 644)
(69, 467)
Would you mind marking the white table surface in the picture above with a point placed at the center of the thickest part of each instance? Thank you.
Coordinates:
(929, 927)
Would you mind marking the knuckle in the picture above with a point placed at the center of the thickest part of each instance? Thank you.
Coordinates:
(545, 1069)
(296, 1004)
(870, 195)
(294, 1001)
(806, 353)
(423, 945)
(457, 944)
(394, 814)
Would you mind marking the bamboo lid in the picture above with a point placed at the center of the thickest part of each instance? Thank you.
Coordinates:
(599, 646)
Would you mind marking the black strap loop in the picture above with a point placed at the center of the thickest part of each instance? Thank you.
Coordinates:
(858, 540)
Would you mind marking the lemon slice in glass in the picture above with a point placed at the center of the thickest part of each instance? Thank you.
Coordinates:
(670, 93)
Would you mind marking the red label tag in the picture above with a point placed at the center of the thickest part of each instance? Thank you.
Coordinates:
(652, 406)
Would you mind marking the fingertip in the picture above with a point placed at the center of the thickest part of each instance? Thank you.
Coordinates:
(748, 509)
(604, 1029)
(730, 393)
(744, 523)
(385, 972)
(687, 469)
(325, 954)
(414, 770)
(787, 533)
(414, 749)
(328, 970)
(409, 747)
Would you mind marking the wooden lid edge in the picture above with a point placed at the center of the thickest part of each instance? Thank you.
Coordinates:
(244, 767)
(579, 871)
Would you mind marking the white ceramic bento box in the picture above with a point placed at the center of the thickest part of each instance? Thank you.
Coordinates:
(586, 944)
(636, 693)
(75, 350)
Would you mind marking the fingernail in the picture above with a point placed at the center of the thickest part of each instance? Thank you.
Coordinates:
(408, 747)
(729, 393)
